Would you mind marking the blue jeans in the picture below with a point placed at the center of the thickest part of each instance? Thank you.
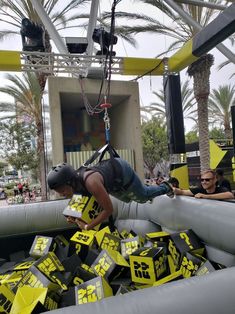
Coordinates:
(136, 191)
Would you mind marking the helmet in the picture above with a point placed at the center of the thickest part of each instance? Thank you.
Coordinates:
(62, 174)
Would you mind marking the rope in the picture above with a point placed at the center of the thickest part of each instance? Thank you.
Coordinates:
(106, 73)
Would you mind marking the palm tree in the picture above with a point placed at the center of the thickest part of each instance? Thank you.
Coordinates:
(220, 103)
(27, 96)
(157, 109)
(63, 15)
(181, 32)
(200, 71)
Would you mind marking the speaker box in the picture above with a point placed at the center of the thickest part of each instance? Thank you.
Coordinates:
(174, 114)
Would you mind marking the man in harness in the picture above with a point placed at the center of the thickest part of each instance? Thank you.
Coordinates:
(113, 176)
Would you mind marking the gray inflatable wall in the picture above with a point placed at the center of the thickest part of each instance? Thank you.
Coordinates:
(34, 218)
(209, 294)
(213, 221)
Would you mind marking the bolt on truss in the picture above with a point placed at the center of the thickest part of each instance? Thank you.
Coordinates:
(74, 64)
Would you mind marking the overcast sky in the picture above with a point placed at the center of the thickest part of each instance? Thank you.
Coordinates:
(148, 47)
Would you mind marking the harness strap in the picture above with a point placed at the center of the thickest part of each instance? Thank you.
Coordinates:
(100, 153)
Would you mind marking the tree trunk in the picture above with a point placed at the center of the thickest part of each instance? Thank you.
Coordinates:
(43, 176)
(200, 71)
(203, 132)
(227, 128)
(41, 155)
(228, 134)
(42, 77)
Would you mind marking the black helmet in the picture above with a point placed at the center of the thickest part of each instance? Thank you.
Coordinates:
(62, 174)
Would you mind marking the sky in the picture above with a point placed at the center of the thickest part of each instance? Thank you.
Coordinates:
(148, 47)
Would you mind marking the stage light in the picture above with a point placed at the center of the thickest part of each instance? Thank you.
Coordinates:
(105, 40)
(32, 36)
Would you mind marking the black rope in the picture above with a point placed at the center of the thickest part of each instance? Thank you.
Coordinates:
(108, 57)
(106, 70)
(149, 71)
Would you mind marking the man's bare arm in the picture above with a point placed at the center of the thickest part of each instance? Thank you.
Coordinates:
(217, 196)
(178, 191)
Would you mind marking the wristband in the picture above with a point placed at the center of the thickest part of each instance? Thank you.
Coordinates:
(85, 227)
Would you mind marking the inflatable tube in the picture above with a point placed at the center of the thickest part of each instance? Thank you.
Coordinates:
(209, 294)
(20, 223)
(213, 221)
(25, 219)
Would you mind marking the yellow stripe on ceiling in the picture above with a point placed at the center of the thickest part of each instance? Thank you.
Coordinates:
(10, 61)
(140, 66)
(182, 58)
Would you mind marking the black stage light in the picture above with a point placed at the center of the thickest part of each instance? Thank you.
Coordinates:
(32, 36)
(105, 40)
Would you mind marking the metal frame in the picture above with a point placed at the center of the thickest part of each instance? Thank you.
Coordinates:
(185, 16)
(76, 64)
(79, 64)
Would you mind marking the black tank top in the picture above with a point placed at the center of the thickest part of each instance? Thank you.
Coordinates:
(111, 172)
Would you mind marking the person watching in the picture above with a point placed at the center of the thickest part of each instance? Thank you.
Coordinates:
(221, 180)
(208, 188)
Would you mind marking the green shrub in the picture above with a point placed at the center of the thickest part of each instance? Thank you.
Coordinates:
(9, 186)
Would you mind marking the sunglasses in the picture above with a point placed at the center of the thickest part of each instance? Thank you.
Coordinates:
(206, 179)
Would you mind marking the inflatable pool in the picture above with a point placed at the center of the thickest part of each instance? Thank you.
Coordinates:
(213, 221)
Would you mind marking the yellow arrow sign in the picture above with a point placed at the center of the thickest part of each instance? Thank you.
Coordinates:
(216, 154)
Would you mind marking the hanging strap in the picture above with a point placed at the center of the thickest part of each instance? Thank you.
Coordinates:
(112, 152)
(100, 153)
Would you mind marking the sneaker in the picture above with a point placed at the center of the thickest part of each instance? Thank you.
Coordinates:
(170, 193)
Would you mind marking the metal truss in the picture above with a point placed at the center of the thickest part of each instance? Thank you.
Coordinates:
(74, 64)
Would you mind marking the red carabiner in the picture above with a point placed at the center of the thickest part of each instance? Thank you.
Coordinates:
(105, 105)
